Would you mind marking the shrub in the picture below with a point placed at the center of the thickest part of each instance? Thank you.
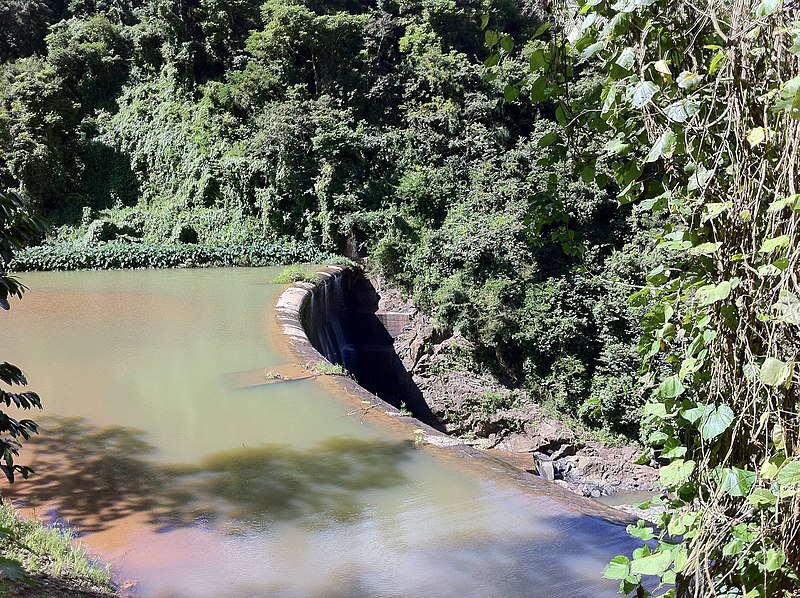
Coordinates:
(116, 255)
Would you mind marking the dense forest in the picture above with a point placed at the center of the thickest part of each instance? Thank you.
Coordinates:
(363, 129)
(570, 192)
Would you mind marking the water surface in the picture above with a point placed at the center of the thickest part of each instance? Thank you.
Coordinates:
(191, 487)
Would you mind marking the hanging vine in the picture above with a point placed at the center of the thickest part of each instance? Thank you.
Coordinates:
(701, 103)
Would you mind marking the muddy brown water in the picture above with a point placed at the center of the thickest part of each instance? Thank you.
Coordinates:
(191, 484)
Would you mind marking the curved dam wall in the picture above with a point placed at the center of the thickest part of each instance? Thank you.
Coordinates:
(336, 319)
(342, 321)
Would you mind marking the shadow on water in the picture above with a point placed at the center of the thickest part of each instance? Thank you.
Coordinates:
(93, 476)
(276, 483)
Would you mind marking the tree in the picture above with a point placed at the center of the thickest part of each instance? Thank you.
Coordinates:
(17, 229)
(23, 24)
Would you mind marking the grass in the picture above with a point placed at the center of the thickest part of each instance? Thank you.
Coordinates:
(294, 273)
(329, 369)
(46, 551)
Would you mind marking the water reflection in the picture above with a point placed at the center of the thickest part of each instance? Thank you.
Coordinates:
(316, 505)
(274, 482)
(92, 476)
(329, 508)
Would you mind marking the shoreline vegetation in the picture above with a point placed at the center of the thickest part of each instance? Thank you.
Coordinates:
(119, 255)
(44, 561)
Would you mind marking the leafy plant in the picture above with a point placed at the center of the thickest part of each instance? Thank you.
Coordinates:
(17, 228)
(294, 273)
(329, 369)
(701, 104)
(117, 254)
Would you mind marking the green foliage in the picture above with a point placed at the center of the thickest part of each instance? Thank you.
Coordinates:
(28, 547)
(17, 228)
(689, 139)
(484, 414)
(115, 254)
(155, 134)
(324, 368)
(294, 273)
(24, 25)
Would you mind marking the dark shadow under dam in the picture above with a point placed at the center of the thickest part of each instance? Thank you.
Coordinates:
(341, 322)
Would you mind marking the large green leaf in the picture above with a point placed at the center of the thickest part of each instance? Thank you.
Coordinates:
(676, 472)
(788, 308)
(688, 80)
(657, 409)
(712, 293)
(716, 421)
(735, 481)
(766, 7)
(643, 93)
(789, 474)
(618, 568)
(761, 497)
(774, 372)
(617, 145)
(641, 530)
(770, 245)
(770, 467)
(511, 93)
(756, 136)
(714, 209)
(547, 139)
(537, 59)
(671, 387)
(664, 146)
(705, 249)
(682, 110)
(591, 50)
(774, 559)
(626, 58)
(791, 201)
(694, 413)
(655, 564)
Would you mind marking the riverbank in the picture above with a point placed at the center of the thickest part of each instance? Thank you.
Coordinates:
(319, 317)
(480, 411)
(40, 561)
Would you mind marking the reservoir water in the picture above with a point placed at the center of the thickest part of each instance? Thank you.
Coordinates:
(191, 487)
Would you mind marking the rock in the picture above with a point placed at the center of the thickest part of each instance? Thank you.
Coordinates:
(517, 443)
(477, 406)
(565, 450)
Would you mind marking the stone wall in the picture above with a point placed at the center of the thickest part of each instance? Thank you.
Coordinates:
(344, 324)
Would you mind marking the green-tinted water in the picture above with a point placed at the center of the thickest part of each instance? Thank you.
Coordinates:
(194, 488)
